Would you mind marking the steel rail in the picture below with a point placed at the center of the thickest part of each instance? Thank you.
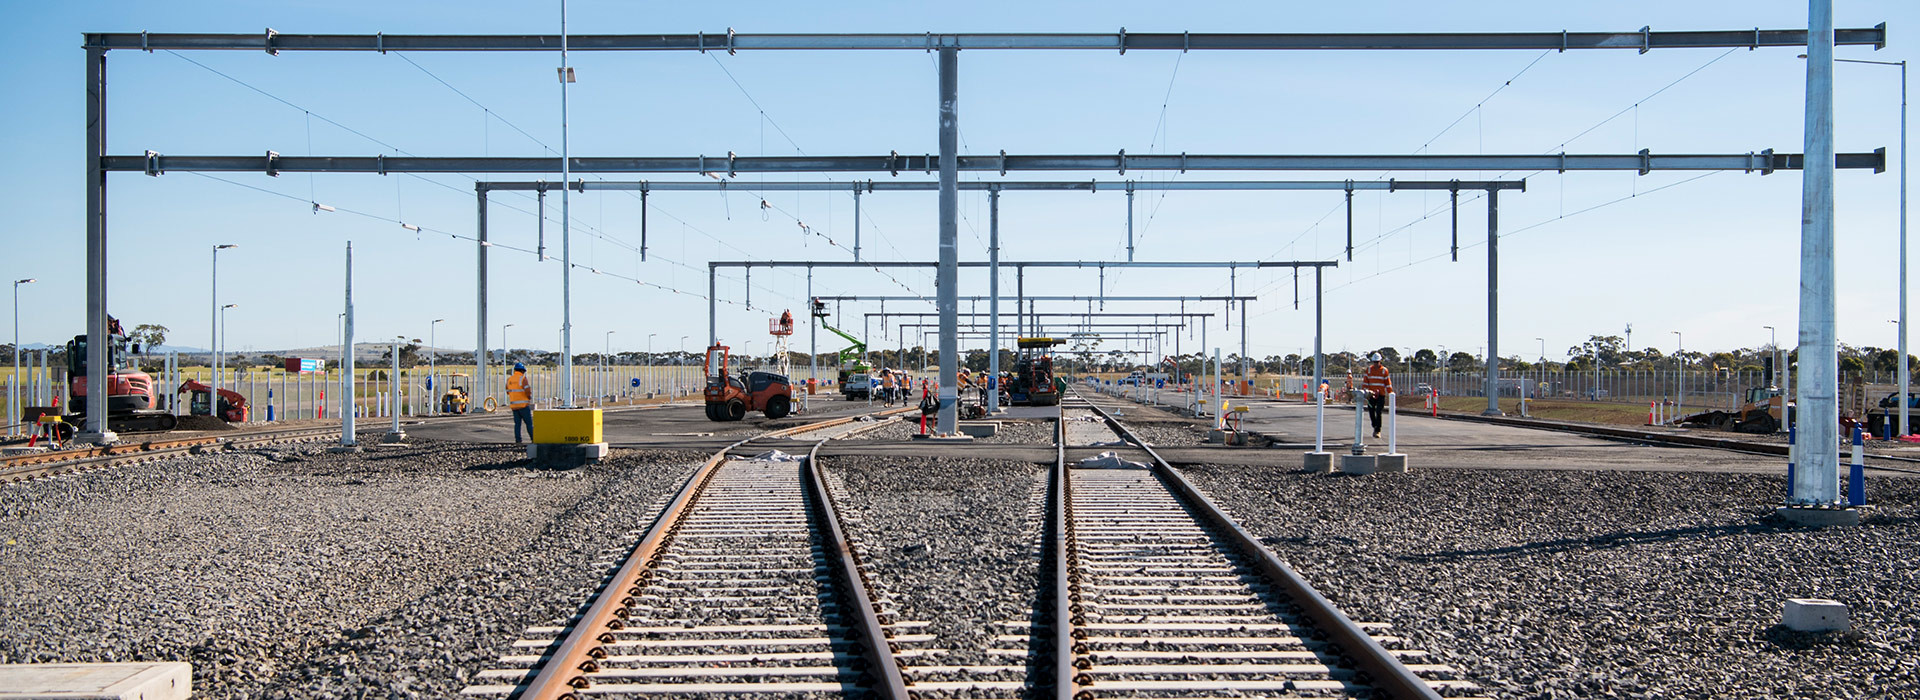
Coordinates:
(43, 464)
(875, 648)
(580, 651)
(730, 41)
(1066, 593)
(1379, 668)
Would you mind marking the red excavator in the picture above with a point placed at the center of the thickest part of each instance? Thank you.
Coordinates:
(233, 406)
(730, 397)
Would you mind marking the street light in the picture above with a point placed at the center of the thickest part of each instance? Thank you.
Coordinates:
(1904, 378)
(1680, 354)
(506, 351)
(652, 381)
(432, 363)
(13, 401)
(215, 406)
(213, 319)
(606, 352)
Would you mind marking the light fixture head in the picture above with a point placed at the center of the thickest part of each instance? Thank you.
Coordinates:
(410, 227)
(225, 246)
(28, 280)
(230, 306)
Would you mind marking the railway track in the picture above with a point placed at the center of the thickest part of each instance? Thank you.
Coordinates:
(38, 465)
(745, 583)
(1168, 598)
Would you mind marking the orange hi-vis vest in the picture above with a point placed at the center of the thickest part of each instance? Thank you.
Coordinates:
(519, 391)
(1378, 381)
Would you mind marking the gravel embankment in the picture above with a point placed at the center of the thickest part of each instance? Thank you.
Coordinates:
(290, 572)
(1548, 584)
(1011, 432)
(953, 540)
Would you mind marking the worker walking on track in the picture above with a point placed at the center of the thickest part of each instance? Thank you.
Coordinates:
(1378, 383)
(520, 399)
(886, 387)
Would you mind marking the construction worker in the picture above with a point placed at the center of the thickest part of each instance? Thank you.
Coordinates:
(520, 399)
(1377, 383)
(886, 387)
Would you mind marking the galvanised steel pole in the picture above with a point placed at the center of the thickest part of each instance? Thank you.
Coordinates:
(1905, 427)
(1319, 360)
(993, 290)
(1493, 304)
(506, 356)
(1817, 481)
(347, 402)
(97, 430)
(480, 360)
(813, 345)
(566, 232)
(949, 273)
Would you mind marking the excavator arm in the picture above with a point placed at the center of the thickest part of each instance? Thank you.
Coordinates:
(853, 352)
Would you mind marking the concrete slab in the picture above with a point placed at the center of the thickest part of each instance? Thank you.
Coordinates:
(1319, 462)
(930, 437)
(1359, 464)
(160, 680)
(21, 450)
(1393, 463)
(980, 429)
(1819, 517)
(1815, 615)
(566, 456)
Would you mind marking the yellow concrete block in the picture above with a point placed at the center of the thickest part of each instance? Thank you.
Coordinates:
(579, 426)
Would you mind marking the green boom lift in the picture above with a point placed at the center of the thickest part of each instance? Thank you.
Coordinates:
(853, 368)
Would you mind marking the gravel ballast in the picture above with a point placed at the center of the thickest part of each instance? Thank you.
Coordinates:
(291, 572)
(954, 542)
(1556, 584)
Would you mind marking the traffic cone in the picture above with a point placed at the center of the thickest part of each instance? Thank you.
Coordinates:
(1650, 412)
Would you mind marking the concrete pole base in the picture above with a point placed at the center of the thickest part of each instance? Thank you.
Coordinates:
(107, 437)
(1359, 464)
(1319, 462)
(396, 436)
(566, 455)
(1814, 516)
(344, 449)
(1393, 462)
(1493, 412)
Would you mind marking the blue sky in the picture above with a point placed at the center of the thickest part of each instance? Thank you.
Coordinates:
(1713, 257)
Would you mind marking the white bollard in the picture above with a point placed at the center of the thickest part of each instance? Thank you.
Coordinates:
(1320, 422)
(1393, 413)
(1359, 437)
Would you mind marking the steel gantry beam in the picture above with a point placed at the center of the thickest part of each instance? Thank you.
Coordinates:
(1763, 161)
(1642, 40)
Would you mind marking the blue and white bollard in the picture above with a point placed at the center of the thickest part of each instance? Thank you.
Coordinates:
(1857, 472)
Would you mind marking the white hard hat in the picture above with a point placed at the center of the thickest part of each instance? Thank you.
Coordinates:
(1375, 357)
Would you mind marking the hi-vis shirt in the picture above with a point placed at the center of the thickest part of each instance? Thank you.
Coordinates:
(1378, 382)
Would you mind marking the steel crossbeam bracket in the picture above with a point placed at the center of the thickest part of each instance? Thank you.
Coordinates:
(1639, 41)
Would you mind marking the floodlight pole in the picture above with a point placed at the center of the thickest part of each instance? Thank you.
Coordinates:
(948, 276)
